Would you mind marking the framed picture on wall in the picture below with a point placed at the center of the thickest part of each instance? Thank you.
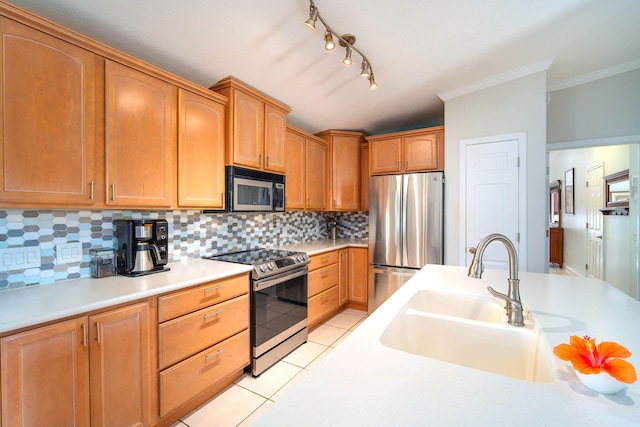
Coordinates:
(568, 192)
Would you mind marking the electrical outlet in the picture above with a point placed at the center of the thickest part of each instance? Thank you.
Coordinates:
(68, 252)
(19, 258)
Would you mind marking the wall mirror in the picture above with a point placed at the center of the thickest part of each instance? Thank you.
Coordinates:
(617, 193)
(554, 204)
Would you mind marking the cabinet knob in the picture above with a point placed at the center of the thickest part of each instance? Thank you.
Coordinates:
(91, 190)
(260, 159)
(113, 192)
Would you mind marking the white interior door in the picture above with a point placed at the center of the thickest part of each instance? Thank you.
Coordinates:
(490, 195)
(595, 229)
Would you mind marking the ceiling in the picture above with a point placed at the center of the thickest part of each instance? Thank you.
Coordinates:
(418, 48)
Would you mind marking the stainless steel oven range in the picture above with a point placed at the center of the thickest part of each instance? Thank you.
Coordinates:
(278, 302)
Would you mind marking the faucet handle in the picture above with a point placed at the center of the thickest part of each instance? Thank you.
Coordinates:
(500, 295)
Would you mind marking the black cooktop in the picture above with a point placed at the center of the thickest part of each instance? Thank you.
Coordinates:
(253, 256)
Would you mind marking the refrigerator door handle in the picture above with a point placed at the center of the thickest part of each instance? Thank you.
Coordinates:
(403, 220)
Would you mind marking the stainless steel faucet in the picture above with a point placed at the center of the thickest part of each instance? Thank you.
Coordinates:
(512, 299)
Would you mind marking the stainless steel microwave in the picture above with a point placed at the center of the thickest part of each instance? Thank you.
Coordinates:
(253, 191)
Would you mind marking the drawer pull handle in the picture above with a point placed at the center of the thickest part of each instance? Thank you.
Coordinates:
(212, 355)
(215, 313)
(324, 297)
(325, 258)
(213, 288)
(324, 273)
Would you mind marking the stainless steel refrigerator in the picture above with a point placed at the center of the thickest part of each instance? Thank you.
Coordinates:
(405, 230)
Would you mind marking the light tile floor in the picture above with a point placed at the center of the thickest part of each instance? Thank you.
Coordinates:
(242, 402)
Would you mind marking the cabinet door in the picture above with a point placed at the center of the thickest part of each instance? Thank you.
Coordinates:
(346, 173)
(275, 127)
(358, 275)
(47, 152)
(120, 367)
(140, 138)
(420, 153)
(200, 151)
(343, 276)
(295, 171)
(385, 156)
(316, 175)
(364, 178)
(45, 376)
(248, 130)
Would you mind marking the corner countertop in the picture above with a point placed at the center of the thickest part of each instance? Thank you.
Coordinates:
(364, 383)
(319, 246)
(33, 305)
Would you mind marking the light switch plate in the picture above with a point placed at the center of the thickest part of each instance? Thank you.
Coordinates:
(19, 258)
(68, 252)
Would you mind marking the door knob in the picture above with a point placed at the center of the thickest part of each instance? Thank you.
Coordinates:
(598, 237)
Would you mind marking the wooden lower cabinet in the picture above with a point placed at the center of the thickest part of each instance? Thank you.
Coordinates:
(45, 376)
(203, 343)
(187, 379)
(343, 276)
(120, 367)
(337, 279)
(85, 371)
(358, 268)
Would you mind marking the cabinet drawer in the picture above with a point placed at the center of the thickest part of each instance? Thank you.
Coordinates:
(322, 304)
(186, 335)
(205, 295)
(323, 279)
(187, 379)
(322, 260)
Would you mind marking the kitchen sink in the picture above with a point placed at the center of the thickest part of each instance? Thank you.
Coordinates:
(483, 308)
(499, 348)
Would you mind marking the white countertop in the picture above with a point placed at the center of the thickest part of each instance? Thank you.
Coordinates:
(32, 305)
(29, 306)
(364, 383)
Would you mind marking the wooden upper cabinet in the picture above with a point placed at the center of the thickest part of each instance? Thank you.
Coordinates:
(255, 127)
(45, 376)
(140, 138)
(316, 175)
(305, 170)
(120, 375)
(47, 131)
(386, 155)
(344, 169)
(419, 150)
(248, 130)
(295, 171)
(275, 126)
(200, 151)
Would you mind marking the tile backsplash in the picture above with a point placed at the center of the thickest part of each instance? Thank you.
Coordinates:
(191, 234)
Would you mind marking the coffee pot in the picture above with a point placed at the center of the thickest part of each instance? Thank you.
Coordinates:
(142, 246)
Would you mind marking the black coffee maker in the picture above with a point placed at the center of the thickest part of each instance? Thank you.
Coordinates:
(142, 246)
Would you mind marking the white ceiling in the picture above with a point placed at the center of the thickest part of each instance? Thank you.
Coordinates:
(418, 48)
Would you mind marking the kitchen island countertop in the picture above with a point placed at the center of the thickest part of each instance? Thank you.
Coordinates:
(364, 383)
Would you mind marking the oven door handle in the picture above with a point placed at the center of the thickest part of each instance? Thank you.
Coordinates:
(261, 284)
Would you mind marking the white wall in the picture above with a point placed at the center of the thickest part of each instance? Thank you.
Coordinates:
(515, 106)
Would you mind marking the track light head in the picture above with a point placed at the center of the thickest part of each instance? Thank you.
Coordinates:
(347, 57)
(372, 82)
(364, 71)
(329, 44)
(313, 16)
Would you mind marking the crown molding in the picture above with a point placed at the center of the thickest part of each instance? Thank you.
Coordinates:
(596, 75)
(497, 79)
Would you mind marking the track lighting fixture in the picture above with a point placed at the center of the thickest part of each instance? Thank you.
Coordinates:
(346, 40)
